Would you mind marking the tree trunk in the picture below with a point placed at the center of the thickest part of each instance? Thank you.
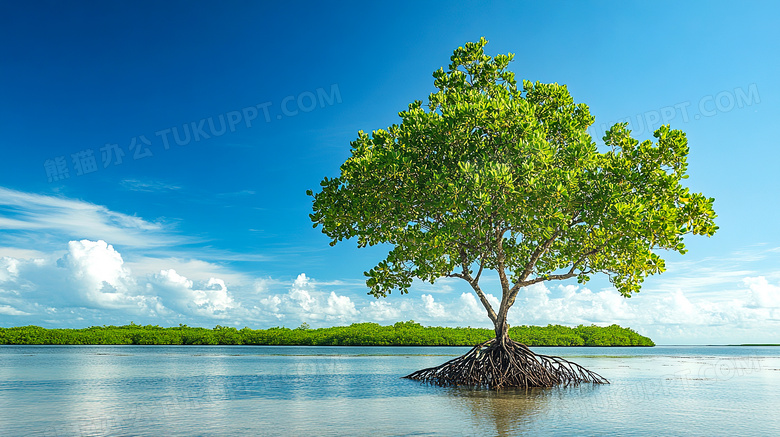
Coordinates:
(502, 330)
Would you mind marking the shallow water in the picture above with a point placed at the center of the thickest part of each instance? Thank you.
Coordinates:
(269, 390)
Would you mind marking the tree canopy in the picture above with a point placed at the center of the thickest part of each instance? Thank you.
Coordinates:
(493, 175)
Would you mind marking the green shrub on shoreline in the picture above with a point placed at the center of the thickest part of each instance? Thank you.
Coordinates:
(357, 334)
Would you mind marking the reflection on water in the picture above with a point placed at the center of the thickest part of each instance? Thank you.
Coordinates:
(178, 391)
(504, 412)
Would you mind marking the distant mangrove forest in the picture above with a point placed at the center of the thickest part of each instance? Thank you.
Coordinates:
(358, 334)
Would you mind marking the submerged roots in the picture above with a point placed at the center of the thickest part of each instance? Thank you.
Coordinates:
(499, 364)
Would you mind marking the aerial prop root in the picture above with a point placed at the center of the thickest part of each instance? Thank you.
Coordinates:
(507, 363)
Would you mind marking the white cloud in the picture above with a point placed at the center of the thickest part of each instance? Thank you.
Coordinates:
(9, 268)
(493, 301)
(88, 280)
(15, 252)
(463, 310)
(272, 305)
(299, 294)
(99, 275)
(194, 269)
(37, 217)
(340, 307)
(434, 309)
(304, 303)
(260, 285)
(441, 286)
(210, 298)
(92, 277)
(763, 294)
(470, 308)
(381, 311)
(11, 311)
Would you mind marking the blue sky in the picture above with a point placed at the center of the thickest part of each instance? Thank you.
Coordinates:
(157, 154)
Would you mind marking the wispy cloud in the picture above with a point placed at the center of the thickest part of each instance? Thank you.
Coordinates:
(10, 311)
(208, 253)
(40, 219)
(149, 186)
(15, 252)
(241, 193)
(193, 268)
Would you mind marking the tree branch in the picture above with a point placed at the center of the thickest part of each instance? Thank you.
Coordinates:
(540, 250)
(568, 275)
(500, 258)
(485, 302)
(474, 282)
(481, 267)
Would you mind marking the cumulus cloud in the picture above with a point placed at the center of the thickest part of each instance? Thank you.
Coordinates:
(572, 305)
(93, 276)
(469, 307)
(340, 306)
(99, 275)
(463, 310)
(304, 303)
(382, 311)
(209, 298)
(89, 274)
(434, 309)
(762, 293)
(300, 295)
(9, 269)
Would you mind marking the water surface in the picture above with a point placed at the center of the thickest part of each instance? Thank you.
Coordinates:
(298, 390)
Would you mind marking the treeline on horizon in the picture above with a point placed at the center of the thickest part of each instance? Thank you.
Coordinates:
(358, 334)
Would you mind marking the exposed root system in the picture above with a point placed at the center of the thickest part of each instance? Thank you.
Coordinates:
(500, 364)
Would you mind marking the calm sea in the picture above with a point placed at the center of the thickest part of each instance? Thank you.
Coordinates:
(300, 391)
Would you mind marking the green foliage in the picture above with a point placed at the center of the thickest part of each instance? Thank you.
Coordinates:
(358, 334)
(492, 175)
